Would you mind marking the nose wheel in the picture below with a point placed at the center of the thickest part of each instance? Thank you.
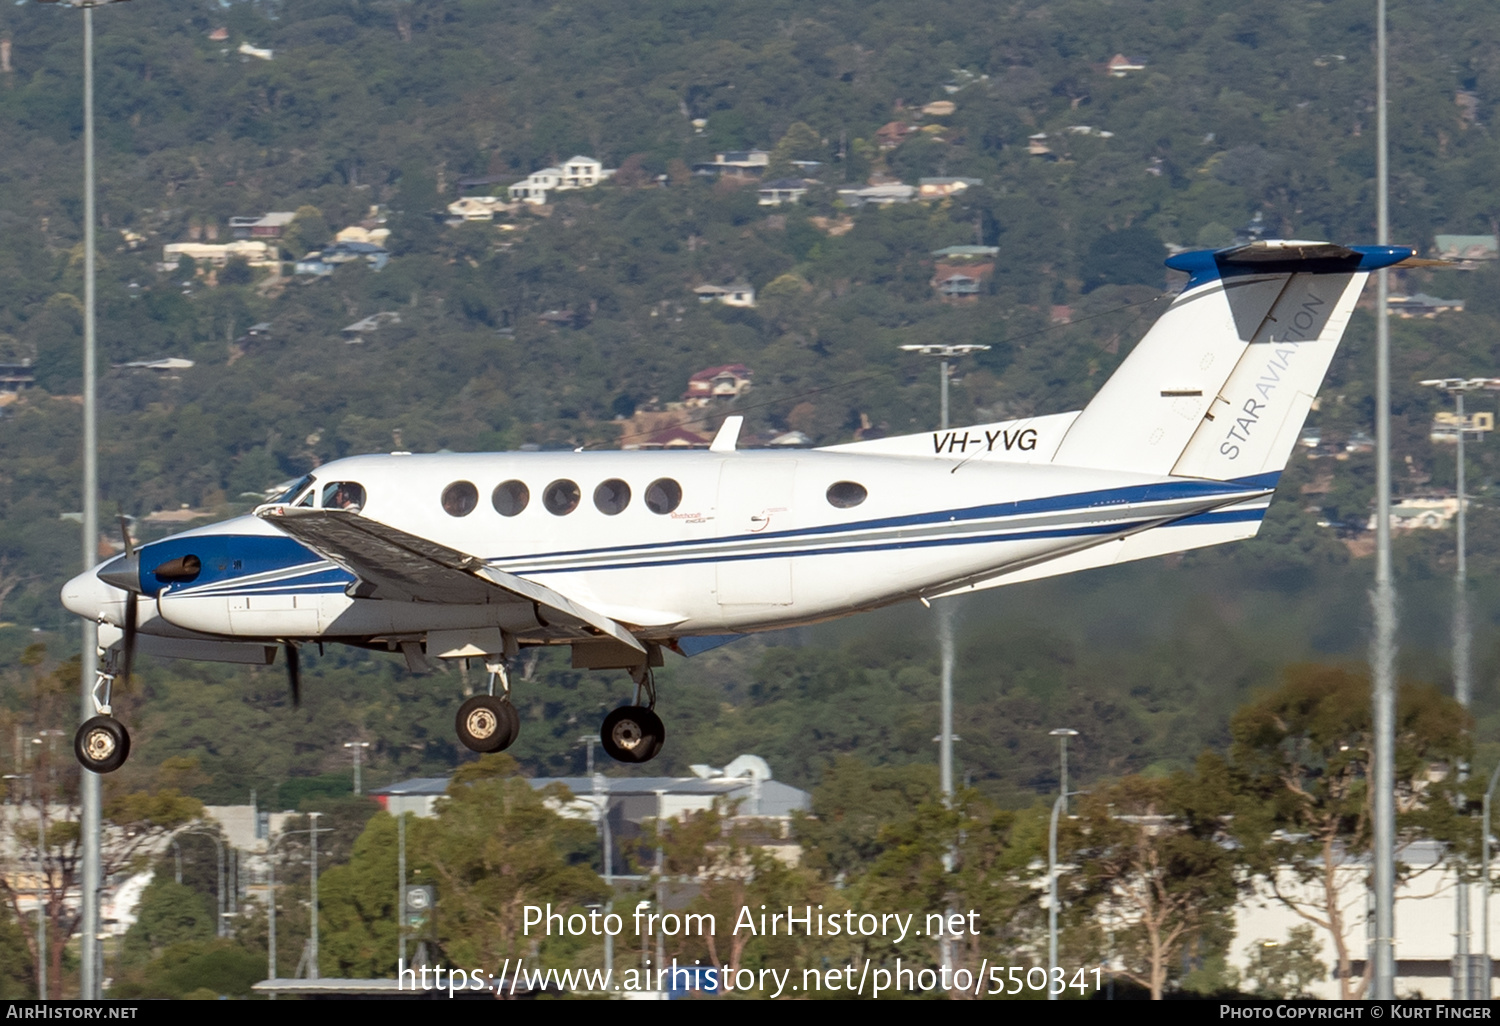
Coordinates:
(102, 744)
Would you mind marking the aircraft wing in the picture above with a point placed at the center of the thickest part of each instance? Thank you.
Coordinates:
(395, 565)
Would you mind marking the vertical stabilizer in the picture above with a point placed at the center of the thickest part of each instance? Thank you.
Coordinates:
(1257, 322)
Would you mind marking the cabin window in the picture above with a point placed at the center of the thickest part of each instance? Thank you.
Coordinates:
(460, 498)
(510, 498)
(663, 496)
(344, 495)
(561, 497)
(846, 494)
(611, 496)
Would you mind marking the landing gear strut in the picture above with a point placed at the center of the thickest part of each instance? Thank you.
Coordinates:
(634, 733)
(102, 744)
(488, 722)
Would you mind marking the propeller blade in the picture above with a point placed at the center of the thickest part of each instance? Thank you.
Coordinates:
(125, 533)
(132, 616)
(294, 674)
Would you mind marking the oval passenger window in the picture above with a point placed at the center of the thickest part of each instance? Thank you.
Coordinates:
(663, 496)
(460, 498)
(846, 494)
(510, 498)
(611, 496)
(561, 497)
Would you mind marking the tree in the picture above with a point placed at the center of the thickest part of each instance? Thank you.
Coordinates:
(496, 847)
(1154, 866)
(1301, 757)
(1285, 970)
(46, 833)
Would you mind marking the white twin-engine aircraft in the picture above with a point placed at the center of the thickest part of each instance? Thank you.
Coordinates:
(624, 554)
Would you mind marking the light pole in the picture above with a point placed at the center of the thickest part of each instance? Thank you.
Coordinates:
(1057, 808)
(1383, 650)
(271, 893)
(358, 748)
(312, 963)
(89, 813)
(945, 354)
(1484, 967)
(1464, 984)
(1062, 734)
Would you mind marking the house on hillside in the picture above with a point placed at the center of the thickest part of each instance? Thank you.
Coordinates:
(266, 226)
(252, 251)
(578, 172)
(966, 252)
(1420, 304)
(739, 294)
(1445, 426)
(1119, 65)
(534, 187)
(878, 195)
(477, 208)
(784, 190)
(717, 383)
(1468, 250)
(735, 164)
(940, 188)
(16, 375)
(324, 263)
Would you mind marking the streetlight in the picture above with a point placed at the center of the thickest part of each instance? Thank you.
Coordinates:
(89, 814)
(219, 847)
(358, 747)
(1484, 966)
(315, 830)
(1062, 734)
(1057, 808)
(1464, 983)
(945, 353)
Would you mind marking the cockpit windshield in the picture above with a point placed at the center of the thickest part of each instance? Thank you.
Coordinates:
(344, 495)
(294, 491)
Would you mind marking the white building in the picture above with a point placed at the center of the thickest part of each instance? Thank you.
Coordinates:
(575, 173)
(1425, 916)
(730, 295)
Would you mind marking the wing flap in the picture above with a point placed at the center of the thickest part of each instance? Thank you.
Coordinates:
(394, 564)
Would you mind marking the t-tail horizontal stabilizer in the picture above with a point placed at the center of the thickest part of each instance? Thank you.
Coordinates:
(1220, 385)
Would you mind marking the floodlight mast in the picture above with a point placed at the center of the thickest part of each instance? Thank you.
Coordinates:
(1466, 984)
(89, 982)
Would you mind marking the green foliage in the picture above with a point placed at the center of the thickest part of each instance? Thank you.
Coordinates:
(169, 914)
(1286, 969)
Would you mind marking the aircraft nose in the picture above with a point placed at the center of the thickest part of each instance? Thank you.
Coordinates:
(88, 596)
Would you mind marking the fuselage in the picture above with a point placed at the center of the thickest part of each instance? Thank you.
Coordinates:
(670, 544)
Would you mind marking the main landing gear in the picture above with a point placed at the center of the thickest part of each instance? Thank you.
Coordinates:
(102, 744)
(634, 733)
(488, 722)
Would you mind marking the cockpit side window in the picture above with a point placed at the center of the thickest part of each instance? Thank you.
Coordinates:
(305, 500)
(344, 495)
(295, 490)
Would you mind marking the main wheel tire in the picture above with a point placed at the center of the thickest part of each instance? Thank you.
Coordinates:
(102, 744)
(632, 733)
(487, 724)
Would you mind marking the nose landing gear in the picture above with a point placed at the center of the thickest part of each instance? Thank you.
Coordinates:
(102, 744)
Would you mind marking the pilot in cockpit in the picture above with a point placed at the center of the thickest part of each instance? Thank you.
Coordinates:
(344, 495)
